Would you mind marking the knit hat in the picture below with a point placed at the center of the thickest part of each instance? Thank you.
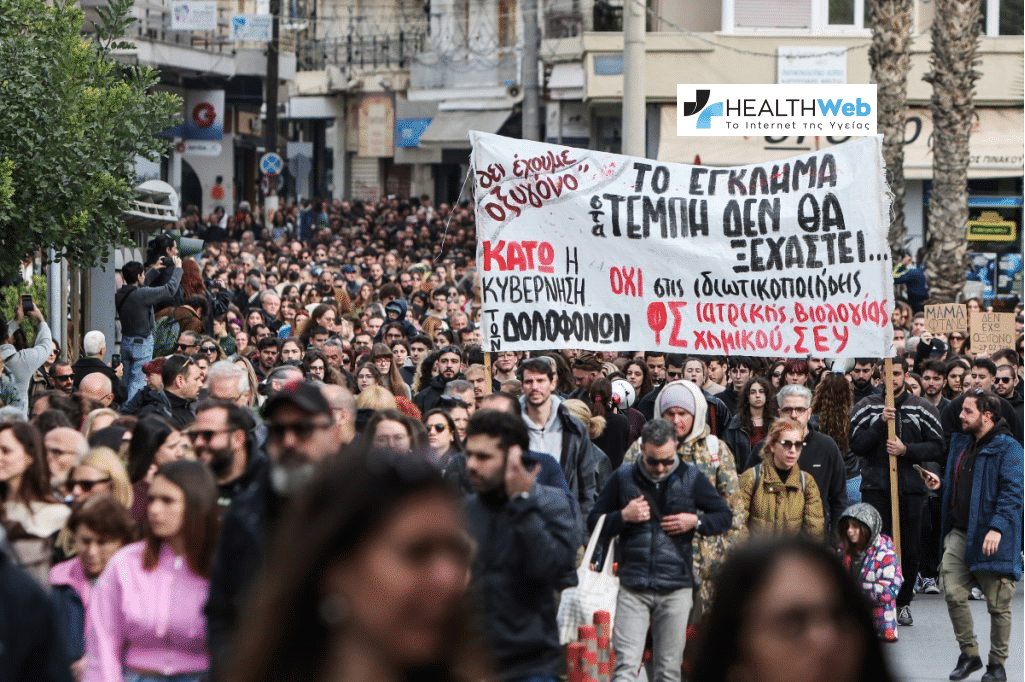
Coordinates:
(674, 395)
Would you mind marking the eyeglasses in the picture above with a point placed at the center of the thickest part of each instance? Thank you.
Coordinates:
(791, 445)
(302, 430)
(793, 410)
(86, 485)
(209, 349)
(186, 346)
(64, 377)
(652, 462)
(437, 428)
(1003, 380)
(206, 434)
(674, 375)
(777, 375)
(956, 337)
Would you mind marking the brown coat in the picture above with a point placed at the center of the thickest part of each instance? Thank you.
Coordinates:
(778, 507)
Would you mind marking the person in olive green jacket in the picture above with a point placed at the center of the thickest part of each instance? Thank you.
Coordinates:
(780, 499)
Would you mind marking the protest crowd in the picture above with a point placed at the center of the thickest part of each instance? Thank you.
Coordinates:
(305, 467)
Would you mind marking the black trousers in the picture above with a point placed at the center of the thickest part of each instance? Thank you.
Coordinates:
(912, 511)
(932, 547)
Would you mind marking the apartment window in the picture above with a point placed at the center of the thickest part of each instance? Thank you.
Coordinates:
(846, 14)
(1002, 17)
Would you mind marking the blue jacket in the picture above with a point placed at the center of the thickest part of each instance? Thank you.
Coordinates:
(997, 487)
(650, 560)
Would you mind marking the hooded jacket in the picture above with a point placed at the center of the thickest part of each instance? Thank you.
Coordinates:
(996, 501)
(877, 569)
(714, 459)
(22, 364)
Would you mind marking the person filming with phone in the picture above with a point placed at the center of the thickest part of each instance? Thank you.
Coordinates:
(526, 538)
(144, 291)
(22, 364)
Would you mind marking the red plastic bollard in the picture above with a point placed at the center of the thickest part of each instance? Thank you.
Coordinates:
(587, 635)
(575, 661)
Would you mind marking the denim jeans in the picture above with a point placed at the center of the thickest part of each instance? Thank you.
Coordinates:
(667, 614)
(136, 351)
(853, 491)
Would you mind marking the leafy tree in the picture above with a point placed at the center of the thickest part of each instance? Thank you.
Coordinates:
(73, 120)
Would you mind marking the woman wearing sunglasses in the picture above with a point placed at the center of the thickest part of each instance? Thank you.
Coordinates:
(100, 472)
(779, 498)
(441, 437)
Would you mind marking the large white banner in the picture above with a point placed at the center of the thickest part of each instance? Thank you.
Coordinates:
(581, 249)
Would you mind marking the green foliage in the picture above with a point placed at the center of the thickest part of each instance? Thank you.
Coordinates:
(72, 122)
(11, 295)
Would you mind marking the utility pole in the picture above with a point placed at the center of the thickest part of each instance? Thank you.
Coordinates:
(531, 105)
(633, 78)
(270, 134)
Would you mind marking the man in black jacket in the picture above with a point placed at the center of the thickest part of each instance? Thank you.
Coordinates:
(182, 381)
(222, 437)
(983, 376)
(449, 366)
(94, 348)
(527, 542)
(655, 505)
(919, 439)
(299, 434)
(135, 302)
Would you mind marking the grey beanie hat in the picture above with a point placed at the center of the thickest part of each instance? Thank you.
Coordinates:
(675, 394)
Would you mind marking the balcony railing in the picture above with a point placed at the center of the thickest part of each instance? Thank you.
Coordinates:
(356, 52)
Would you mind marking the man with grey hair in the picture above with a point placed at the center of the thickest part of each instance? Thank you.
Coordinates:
(463, 390)
(280, 376)
(655, 505)
(227, 381)
(64, 446)
(821, 458)
(94, 349)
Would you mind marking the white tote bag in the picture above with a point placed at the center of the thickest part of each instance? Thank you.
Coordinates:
(595, 591)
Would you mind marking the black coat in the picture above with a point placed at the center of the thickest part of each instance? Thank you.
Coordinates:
(526, 551)
(650, 560)
(85, 366)
(950, 418)
(32, 648)
(241, 547)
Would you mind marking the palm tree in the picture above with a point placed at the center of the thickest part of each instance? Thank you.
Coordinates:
(890, 60)
(955, 40)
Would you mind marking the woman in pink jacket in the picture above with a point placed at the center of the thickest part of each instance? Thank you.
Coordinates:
(145, 619)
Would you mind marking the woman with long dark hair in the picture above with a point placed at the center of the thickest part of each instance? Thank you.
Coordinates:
(367, 582)
(831, 404)
(756, 408)
(793, 614)
(615, 437)
(638, 376)
(31, 518)
(154, 443)
(146, 611)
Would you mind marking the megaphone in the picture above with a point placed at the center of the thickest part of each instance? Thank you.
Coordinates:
(187, 246)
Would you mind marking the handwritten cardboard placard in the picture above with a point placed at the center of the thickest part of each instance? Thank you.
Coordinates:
(944, 318)
(990, 331)
(582, 249)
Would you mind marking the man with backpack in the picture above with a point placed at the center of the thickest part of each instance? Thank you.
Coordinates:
(135, 302)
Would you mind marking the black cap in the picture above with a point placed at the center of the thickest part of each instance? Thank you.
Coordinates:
(301, 394)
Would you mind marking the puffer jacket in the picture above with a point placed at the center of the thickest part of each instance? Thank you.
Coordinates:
(650, 560)
(778, 507)
(714, 459)
(996, 501)
(877, 570)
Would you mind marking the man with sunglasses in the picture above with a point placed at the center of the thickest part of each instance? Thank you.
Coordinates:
(1006, 386)
(188, 344)
(919, 439)
(63, 377)
(222, 437)
(982, 377)
(299, 435)
(655, 505)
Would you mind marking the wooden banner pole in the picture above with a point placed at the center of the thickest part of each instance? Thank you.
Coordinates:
(891, 434)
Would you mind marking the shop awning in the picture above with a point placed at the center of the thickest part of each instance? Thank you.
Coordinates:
(448, 129)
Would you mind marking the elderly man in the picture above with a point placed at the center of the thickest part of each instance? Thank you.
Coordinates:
(97, 386)
(94, 349)
(64, 446)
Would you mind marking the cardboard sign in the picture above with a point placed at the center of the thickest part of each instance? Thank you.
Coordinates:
(944, 318)
(583, 249)
(991, 331)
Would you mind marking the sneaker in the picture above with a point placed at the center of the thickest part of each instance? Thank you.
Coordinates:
(977, 594)
(918, 583)
(904, 616)
(929, 586)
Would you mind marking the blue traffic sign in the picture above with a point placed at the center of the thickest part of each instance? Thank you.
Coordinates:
(271, 164)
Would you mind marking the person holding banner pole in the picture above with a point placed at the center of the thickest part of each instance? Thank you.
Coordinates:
(918, 438)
